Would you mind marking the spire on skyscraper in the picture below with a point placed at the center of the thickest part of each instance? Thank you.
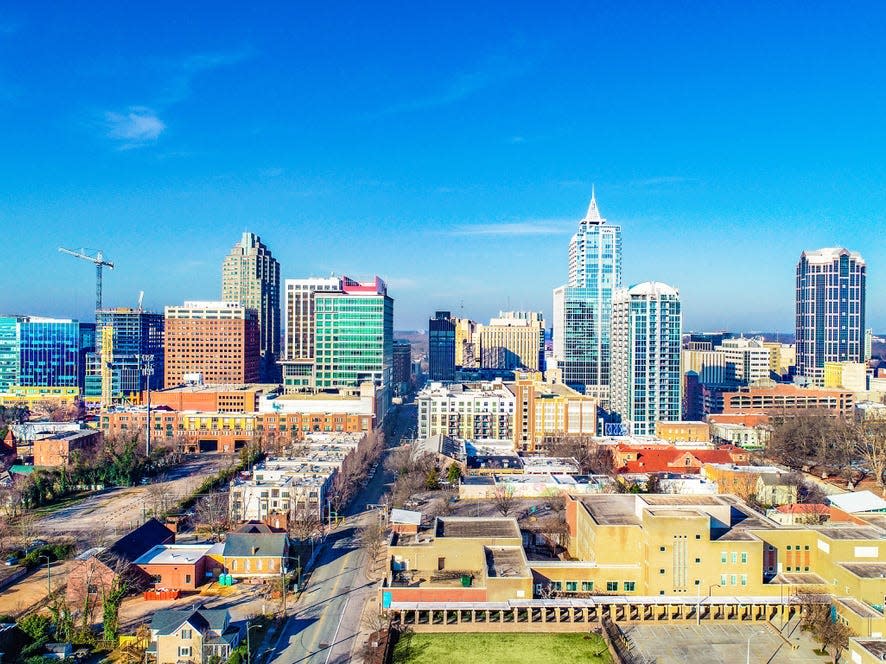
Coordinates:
(593, 214)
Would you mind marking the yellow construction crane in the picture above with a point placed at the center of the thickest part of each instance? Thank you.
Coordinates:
(99, 261)
(107, 360)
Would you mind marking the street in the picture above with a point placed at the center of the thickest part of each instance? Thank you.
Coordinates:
(325, 624)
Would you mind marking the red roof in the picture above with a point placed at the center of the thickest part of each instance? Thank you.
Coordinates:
(803, 508)
(671, 459)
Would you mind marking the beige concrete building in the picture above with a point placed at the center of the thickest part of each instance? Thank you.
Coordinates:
(781, 357)
(847, 375)
(516, 339)
(466, 342)
(747, 360)
(683, 432)
(546, 412)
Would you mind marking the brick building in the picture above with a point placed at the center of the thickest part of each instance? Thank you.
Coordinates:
(219, 341)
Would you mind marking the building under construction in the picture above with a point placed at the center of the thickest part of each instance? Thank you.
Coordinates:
(125, 335)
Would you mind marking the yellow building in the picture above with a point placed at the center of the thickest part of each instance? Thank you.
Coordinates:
(546, 411)
(513, 340)
(26, 395)
(846, 375)
(683, 432)
(781, 357)
(465, 353)
(679, 548)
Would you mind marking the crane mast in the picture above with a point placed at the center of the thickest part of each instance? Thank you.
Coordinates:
(99, 261)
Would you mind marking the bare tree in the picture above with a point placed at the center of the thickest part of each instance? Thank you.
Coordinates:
(211, 512)
(591, 457)
(871, 448)
(304, 524)
(832, 635)
(371, 540)
(503, 498)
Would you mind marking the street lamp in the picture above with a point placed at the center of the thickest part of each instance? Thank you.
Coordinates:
(148, 371)
(48, 575)
(248, 646)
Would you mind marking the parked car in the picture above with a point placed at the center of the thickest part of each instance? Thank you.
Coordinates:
(9, 562)
(36, 544)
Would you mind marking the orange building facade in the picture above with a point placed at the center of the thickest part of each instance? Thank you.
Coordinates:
(786, 399)
(218, 340)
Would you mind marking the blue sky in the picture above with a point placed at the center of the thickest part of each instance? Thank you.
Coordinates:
(449, 148)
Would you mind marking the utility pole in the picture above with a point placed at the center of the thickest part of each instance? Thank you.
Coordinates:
(148, 371)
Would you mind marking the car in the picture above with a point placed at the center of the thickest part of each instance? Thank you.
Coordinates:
(9, 562)
(145, 481)
(36, 544)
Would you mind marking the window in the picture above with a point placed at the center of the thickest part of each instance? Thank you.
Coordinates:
(611, 586)
(587, 586)
(722, 579)
(732, 580)
(744, 579)
(186, 634)
(698, 582)
(661, 548)
(698, 560)
(744, 557)
(722, 556)
(557, 585)
(806, 569)
(806, 548)
(734, 557)
(629, 586)
(184, 651)
(187, 578)
(789, 547)
(571, 586)
(698, 537)
(661, 571)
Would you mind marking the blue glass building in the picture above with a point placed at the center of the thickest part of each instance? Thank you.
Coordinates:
(49, 352)
(583, 306)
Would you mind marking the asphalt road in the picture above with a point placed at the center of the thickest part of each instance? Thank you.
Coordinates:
(325, 624)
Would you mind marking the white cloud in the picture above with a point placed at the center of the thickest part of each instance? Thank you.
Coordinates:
(532, 227)
(137, 126)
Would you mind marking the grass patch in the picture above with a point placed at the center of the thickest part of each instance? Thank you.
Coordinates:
(501, 648)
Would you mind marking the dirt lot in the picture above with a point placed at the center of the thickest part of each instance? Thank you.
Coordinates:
(32, 589)
(103, 517)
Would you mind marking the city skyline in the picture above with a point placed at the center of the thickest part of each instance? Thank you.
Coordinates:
(155, 139)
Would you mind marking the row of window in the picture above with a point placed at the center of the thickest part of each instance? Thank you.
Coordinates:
(587, 586)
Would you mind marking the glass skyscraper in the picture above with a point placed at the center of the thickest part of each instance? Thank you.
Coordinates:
(354, 335)
(9, 352)
(135, 333)
(583, 306)
(830, 310)
(49, 353)
(441, 347)
(646, 338)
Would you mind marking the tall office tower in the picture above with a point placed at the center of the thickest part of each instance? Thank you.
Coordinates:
(747, 360)
(298, 345)
(49, 352)
(353, 335)
(9, 352)
(134, 334)
(646, 337)
(213, 342)
(251, 278)
(441, 347)
(583, 306)
(830, 310)
(466, 354)
(868, 344)
(514, 340)
(402, 365)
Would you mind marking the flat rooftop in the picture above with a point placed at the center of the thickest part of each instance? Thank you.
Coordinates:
(876, 647)
(866, 570)
(850, 532)
(674, 499)
(173, 554)
(859, 608)
(476, 528)
(233, 387)
(505, 561)
(612, 510)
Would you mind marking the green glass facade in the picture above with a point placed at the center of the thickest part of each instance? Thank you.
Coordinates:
(9, 352)
(354, 336)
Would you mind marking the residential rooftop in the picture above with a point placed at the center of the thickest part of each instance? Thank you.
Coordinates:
(172, 554)
(506, 562)
(469, 527)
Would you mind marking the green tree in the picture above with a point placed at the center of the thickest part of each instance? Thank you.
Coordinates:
(432, 479)
(37, 626)
(453, 474)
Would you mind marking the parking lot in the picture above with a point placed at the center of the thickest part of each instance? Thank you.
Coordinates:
(718, 644)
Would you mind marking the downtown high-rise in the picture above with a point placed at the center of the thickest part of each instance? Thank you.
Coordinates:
(830, 310)
(251, 278)
(646, 339)
(583, 306)
(441, 347)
